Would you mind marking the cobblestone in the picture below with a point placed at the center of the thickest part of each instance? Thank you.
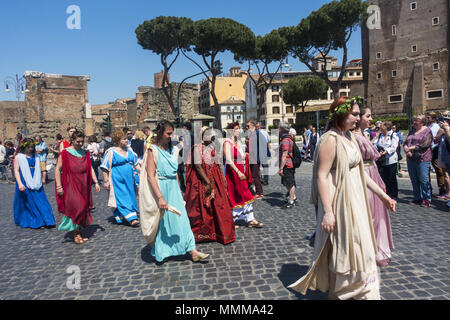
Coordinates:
(260, 264)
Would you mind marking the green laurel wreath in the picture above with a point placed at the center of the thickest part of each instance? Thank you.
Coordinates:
(26, 144)
(347, 106)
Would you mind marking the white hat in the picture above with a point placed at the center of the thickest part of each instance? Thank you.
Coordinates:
(292, 131)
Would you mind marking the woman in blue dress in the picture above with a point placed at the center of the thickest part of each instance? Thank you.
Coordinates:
(174, 236)
(118, 173)
(31, 207)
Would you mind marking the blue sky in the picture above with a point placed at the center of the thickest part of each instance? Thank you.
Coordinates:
(34, 36)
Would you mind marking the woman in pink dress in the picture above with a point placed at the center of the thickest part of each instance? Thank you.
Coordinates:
(380, 214)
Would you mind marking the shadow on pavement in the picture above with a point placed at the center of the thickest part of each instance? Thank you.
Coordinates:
(86, 232)
(440, 205)
(407, 192)
(292, 272)
(275, 199)
(91, 230)
(148, 258)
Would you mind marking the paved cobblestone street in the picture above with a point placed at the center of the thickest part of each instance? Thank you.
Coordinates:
(116, 262)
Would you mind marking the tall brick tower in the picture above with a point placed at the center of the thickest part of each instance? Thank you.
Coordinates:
(158, 79)
(406, 61)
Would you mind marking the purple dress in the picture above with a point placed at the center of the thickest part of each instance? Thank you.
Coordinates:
(380, 214)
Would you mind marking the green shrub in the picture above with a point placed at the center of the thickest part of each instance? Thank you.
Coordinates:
(401, 122)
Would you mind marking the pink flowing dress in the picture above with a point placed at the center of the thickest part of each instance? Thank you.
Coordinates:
(380, 215)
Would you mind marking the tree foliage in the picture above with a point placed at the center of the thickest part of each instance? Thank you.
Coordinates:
(328, 28)
(299, 90)
(215, 35)
(270, 49)
(166, 36)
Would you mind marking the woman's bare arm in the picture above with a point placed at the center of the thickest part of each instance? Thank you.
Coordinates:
(17, 174)
(151, 172)
(58, 172)
(388, 202)
(230, 162)
(327, 154)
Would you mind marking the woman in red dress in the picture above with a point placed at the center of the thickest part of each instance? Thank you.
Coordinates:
(241, 198)
(63, 144)
(74, 187)
(206, 195)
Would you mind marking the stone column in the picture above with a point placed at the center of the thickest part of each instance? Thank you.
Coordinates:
(418, 90)
(89, 122)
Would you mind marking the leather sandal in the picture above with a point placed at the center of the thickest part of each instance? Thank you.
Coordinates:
(200, 256)
(255, 224)
(135, 223)
(78, 239)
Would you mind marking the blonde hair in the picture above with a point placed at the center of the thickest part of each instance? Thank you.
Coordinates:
(139, 135)
(421, 117)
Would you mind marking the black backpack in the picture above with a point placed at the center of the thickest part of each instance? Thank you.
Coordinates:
(296, 154)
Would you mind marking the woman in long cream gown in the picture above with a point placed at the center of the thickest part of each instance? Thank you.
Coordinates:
(345, 246)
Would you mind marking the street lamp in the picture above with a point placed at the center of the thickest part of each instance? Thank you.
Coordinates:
(281, 86)
(180, 122)
(18, 84)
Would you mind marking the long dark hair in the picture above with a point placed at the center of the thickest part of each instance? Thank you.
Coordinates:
(27, 142)
(160, 129)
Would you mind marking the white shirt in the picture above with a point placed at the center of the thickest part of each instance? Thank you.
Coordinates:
(3, 150)
(265, 134)
(434, 130)
(390, 144)
(93, 149)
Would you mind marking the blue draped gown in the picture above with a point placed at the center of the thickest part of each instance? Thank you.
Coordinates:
(31, 207)
(174, 237)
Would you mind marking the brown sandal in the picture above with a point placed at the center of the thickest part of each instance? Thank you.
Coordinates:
(135, 223)
(255, 224)
(78, 239)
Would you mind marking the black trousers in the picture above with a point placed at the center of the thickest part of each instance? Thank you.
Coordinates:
(389, 175)
(180, 173)
(440, 175)
(254, 168)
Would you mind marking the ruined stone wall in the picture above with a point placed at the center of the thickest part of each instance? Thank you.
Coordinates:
(189, 98)
(54, 102)
(151, 104)
(8, 120)
(119, 118)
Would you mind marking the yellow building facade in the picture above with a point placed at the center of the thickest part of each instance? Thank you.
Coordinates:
(228, 87)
